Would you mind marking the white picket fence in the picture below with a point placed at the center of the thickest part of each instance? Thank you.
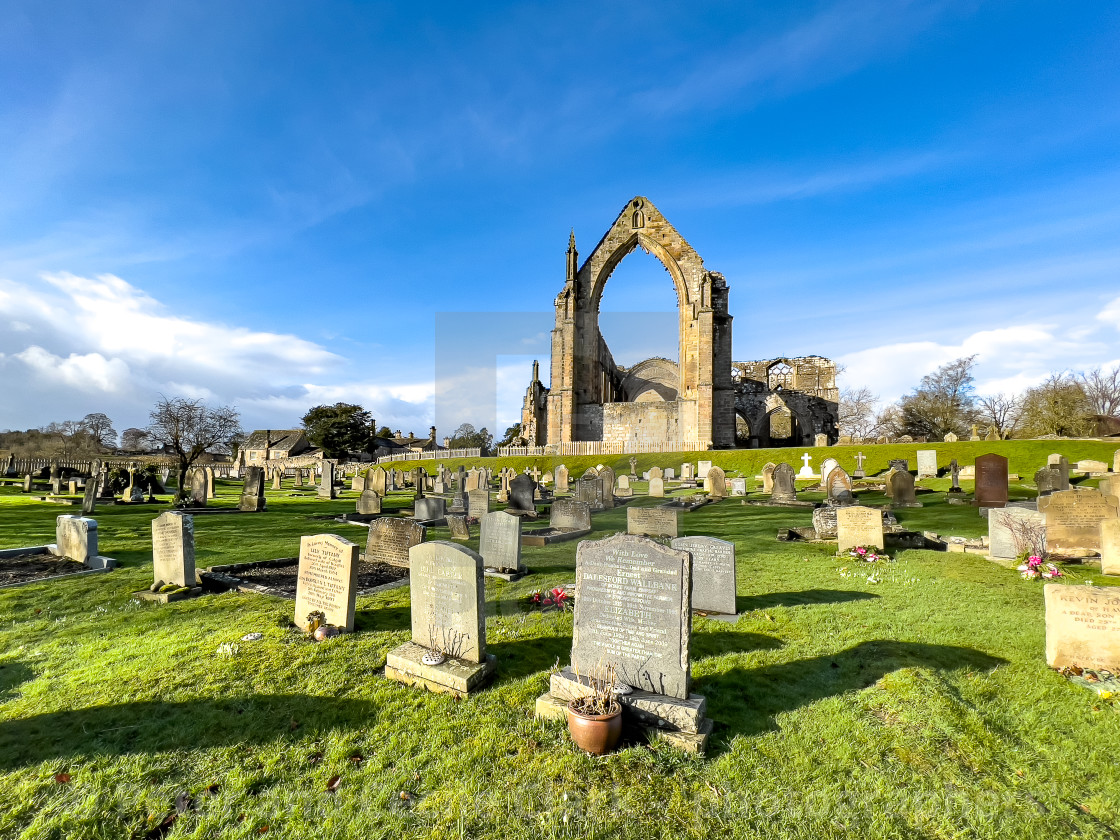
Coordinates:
(598, 447)
(438, 454)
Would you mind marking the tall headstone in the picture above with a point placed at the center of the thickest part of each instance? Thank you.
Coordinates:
(369, 503)
(561, 479)
(198, 488)
(784, 489)
(657, 488)
(991, 481)
(1073, 518)
(391, 539)
(589, 489)
(856, 526)
(927, 463)
(713, 573)
(955, 473)
(173, 548)
(478, 503)
(326, 480)
(716, 483)
(327, 580)
(633, 611)
(89, 497)
(209, 473)
(1012, 529)
(839, 487)
(606, 477)
(278, 479)
(252, 495)
(654, 522)
(901, 488)
(376, 481)
(768, 477)
(499, 541)
(76, 538)
(299, 478)
(827, 466)
(1083, 627)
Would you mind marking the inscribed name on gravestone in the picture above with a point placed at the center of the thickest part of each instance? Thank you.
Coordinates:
(657, 522)
(991, 481)
(328, 572)
(927, 463)
(1073, 518)
(390, 540)
(1083, 627)
(713, 573)
(500, 541)
(478, 503)
(570, 514)
(448, 600)
(856, 526)
(633, 611)
(1013, 530)
(173, 548)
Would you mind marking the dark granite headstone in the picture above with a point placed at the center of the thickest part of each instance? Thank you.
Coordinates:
(991, 481)
(252, 494)
(390, 540)
(784, 489)
(522, 491)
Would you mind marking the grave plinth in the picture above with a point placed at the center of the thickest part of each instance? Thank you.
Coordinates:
(569, 520)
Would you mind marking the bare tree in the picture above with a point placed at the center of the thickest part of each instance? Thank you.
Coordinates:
(100, 429)
(1102, 388)
(1001, 411)
(189, 428)
(857, 415)
(133, 439)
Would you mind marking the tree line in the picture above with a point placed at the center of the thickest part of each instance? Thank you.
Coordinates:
(1067, 403)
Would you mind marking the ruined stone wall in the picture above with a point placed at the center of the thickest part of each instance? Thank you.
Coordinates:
(648, 424)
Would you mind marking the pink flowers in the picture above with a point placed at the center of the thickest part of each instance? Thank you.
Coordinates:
(1035, 569)
(556, 598)
(867, 554)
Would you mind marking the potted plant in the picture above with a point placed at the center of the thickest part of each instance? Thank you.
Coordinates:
(595, 720)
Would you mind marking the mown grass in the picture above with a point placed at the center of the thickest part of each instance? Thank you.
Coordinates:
(918, 705)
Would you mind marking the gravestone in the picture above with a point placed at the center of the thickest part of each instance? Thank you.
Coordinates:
(655, 472)
(927, 463)
(606, 477)
(561, 479)
(72, 487)
(27, 484)
(806, 471)
(448, 606)
(76, 538)
(955, 473)
(478, 503)
(1110, 546)
(369, 503)
(198, 488)
(499, 542)
(252, 494)
(633, 611)
(1048, 480)
(950, 437)
(1083, 627)
(1062, 464)
(824, 522)
(827, 466)
(768, 477)
(784, 489)
(326, 481)
(326, 582)
(702, 468)
(503, 489)
(589, 489)
(460, 528)
(860, 472)
(1009, 531)
(475, 480)
(570, 514)
(715, 481)
(686, 472)
(968, 472)
(900, 485)
(856, 526)
(377, 481)
(209, 473)
(657, 488)
(1092, 466)
(298, 482)
(391, 539)
(991, 481)
(839, 487)
(173, 548)
(418, 476)
(669, 474)
(622, 488)
(900, 464)
(89, 497)
(655, 521)
(548, 478)
(429, 508)
(738, 487)
(522, 492)
(1110, 485)
(820, 440)
(713, 573)
(992, 435)
(1073, 519)
(633, 466)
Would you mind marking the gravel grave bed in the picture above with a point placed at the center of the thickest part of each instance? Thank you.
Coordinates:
(25, 567)
(283, 578)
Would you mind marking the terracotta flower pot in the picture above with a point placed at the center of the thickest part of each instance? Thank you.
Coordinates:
(596, 734)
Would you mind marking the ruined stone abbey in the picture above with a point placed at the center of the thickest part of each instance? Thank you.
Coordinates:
(704, 400)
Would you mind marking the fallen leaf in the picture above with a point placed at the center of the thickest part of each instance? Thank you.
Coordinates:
(334, 783)
(62, 778)
(357, 758)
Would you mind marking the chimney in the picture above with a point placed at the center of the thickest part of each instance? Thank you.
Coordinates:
(447, 443)
(432, 434)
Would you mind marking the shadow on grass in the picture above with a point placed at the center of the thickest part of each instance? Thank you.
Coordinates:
(746, 702)
(747, 603)
(12, 675)
(517, 659)
(704, 645)
(157, 726)
(383, 618)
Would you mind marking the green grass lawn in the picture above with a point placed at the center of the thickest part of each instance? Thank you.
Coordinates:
(917, 703)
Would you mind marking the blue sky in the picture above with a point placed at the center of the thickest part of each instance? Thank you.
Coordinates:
(269, 204)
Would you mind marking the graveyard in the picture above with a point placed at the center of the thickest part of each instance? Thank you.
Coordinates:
(909, 696)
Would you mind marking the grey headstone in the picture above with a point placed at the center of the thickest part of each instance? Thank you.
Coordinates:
(713, 573)
(173, 548)
(499, 542)
(390, 540)
(448, 599)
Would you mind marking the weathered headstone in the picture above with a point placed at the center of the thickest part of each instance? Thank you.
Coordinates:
(326, 582)
(955, 474)
(702, 468)
(950, 437)
(478, 503)
(715, 481)
(390, 540)
(326, 480)
(633, 611)
(1110, 546)
(655, 522)
(173, 548)
(252, 494)
(377, 481)
(278, 479)
(589, 489)
(900, 464)
(900, 485)
(429, 508)
(499, 542)
(369, 503)
(669, 474)
(1110, 485)
(1116, 461)
(860, 472)
(927, 463)
(991, 481)
(824, 522)
(1083, 627)
(89, 497)
(784, 489)
(299, 478)
(713, 573)
(820, 440)
(458, 525)
(198, 488)
(622, 487)
(1062, 464)
(827, 466)
(657, 488)
(856, 526)
(1073, 518)
(768, 477)
(738, 487)
(570, 514)
(76, 538)
(561, 479)
(209, 473)
(606, 477)
(686, 472)
(1048, 480)
(1011, 531)
(839, 487)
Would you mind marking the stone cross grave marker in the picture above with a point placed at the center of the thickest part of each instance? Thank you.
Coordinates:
(856, 526)
(1073, 519)
(173, 548)
(713, 573)
(499, 542)
(806, 471)
(633, 610)
(1062, 464)
(655, 521)
(327, 578)
(860, 473)
(391, 539)
(1083, 626)
(927, 463)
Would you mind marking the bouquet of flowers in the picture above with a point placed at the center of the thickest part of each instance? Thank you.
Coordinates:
(557, 598)
(1035, 569)
(868, 554)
